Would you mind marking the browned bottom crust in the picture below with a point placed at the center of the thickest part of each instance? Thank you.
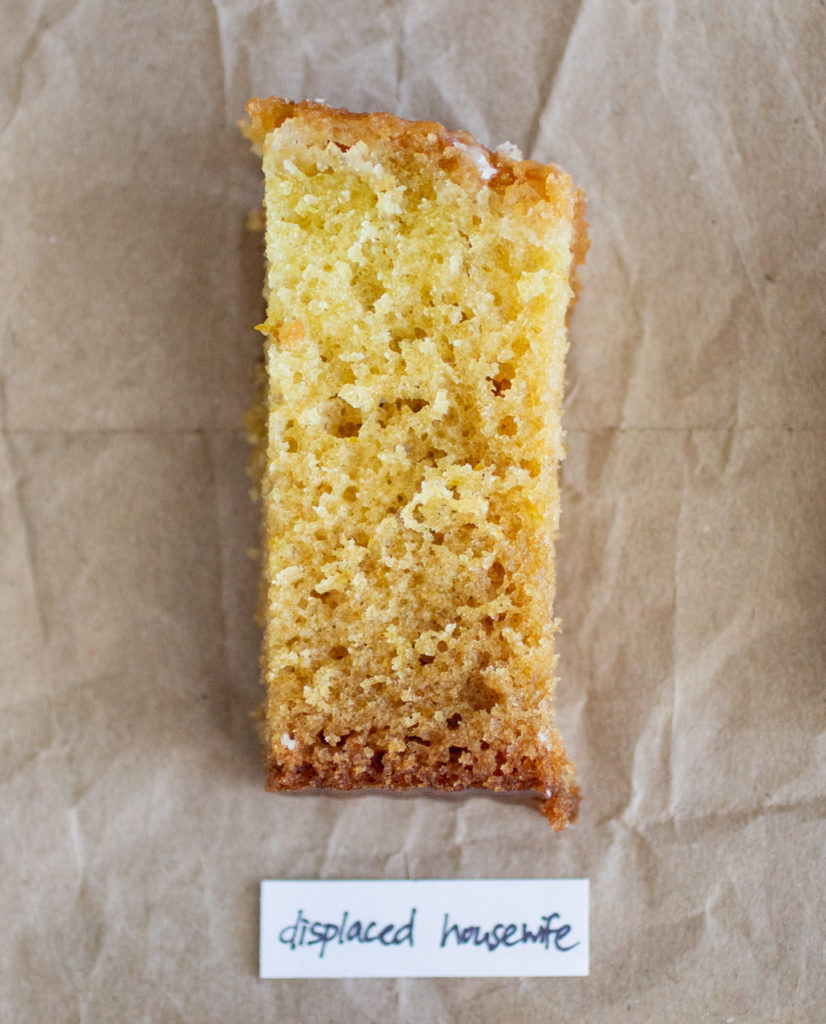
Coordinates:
(356, 769)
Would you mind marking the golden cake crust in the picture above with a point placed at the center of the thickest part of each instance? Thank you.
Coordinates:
(407, 451)
(428, 137)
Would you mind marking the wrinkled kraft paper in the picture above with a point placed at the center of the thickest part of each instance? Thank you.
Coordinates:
(691, 566)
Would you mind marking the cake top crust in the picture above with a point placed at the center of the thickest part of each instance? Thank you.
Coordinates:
(500, 169)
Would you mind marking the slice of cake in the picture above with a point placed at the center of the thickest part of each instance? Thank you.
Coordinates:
(417, 292)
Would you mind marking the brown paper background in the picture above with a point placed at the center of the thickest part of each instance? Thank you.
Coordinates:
(692, 568)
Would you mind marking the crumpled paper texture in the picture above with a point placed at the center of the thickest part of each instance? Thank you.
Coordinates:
(692, 575)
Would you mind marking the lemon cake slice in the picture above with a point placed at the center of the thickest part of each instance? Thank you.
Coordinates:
(417, 292)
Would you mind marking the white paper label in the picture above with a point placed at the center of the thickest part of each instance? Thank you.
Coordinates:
(424, 929)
